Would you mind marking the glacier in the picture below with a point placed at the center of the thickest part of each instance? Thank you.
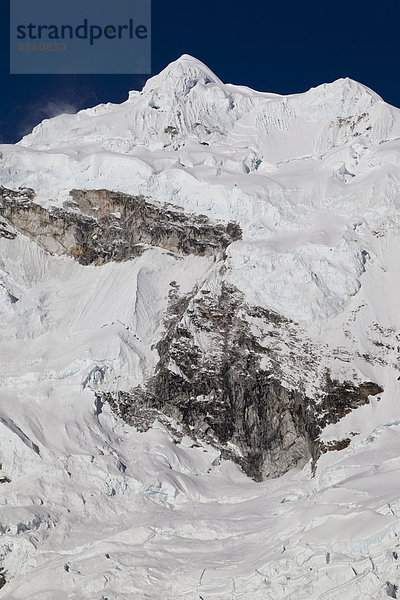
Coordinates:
(94, 506)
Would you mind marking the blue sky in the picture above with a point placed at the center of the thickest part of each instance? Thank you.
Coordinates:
(282, 47)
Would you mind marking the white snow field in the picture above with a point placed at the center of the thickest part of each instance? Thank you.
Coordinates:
(91, 509)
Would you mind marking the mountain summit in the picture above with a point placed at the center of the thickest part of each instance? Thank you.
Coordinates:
(180, 76)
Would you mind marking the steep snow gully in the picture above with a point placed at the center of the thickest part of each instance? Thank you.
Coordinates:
(199, 358)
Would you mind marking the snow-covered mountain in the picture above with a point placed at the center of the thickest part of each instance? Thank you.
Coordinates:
(199, 357)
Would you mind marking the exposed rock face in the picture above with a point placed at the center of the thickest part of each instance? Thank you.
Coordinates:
(5, 231)
(3, 580)
(211, 379)
(98, 226)
(216, 377)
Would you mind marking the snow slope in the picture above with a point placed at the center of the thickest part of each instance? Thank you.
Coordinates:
(298, 172)
(96, 510)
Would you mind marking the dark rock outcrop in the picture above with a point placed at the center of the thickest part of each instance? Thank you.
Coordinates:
(220, 392)
(3, 579)
(5, 231)
(216, 378)
(98, 226)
